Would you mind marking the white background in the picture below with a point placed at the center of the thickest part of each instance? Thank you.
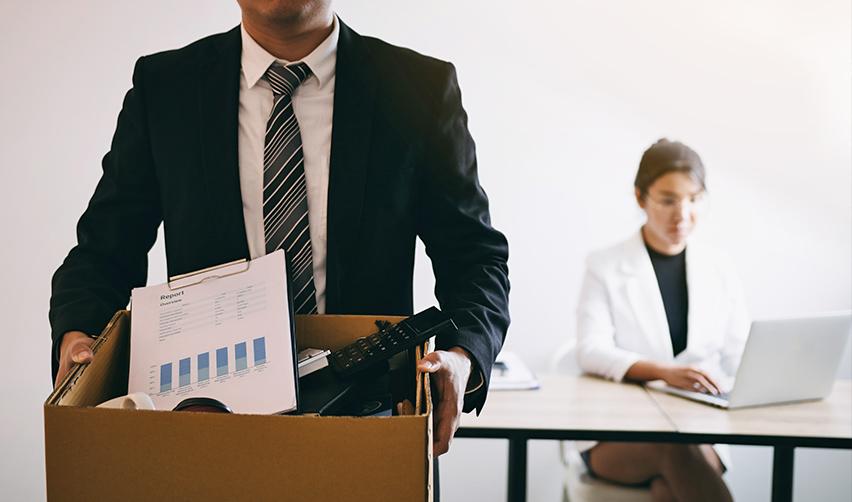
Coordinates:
(563, 97)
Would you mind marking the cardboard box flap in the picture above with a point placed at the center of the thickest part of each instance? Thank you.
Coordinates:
(336, 331)
(106, 376)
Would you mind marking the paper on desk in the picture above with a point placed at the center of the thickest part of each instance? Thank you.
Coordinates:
(224, 334)
(510, 373)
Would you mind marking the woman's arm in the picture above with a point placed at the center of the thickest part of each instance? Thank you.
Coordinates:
(683, 377)
(597, 352)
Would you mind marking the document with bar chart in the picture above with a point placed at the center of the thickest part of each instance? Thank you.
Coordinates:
(223, 333)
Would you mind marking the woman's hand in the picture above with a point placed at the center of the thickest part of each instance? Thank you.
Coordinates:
(682, 377)
(689, 378)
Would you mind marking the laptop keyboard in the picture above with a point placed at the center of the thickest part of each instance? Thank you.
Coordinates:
(721, 395)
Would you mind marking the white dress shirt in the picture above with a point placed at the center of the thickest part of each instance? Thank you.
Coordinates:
(313, 104)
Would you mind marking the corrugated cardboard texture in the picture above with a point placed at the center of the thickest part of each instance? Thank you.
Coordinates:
(106, 454)
(335, 331)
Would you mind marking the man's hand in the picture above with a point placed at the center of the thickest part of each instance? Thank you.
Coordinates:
(450, 371)
(76, 347)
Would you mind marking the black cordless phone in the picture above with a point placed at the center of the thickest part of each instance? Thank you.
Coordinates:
(391, 339)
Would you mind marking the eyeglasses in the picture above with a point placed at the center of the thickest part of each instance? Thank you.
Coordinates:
(692, 203)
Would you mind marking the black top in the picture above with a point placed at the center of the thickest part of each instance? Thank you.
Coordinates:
(403, 166)
(671, 277)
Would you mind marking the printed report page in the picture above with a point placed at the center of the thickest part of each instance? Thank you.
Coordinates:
(224, 333)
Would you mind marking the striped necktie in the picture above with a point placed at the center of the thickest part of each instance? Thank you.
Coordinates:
(285, 197)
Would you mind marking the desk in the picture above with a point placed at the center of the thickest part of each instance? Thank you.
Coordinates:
(817, 424)
(581, 407)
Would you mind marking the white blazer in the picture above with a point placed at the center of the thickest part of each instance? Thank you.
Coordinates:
(621, 318)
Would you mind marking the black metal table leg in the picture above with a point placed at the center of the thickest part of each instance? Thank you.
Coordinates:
(782, 474)
(517, 470)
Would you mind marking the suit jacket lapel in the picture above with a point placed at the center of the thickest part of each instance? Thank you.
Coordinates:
(218, 109)
(644, 295)
(354, 92)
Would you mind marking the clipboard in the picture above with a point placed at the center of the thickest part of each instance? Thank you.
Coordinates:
(173, 291)
(180, 281)
(175, 283)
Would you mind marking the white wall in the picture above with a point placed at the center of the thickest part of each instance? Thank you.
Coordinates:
(563, 98)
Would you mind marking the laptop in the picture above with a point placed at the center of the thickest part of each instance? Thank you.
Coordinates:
(784, 361)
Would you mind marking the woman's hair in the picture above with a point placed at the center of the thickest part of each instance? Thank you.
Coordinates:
(665, 157)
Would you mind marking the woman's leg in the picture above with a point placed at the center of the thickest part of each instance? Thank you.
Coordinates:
(688, 472)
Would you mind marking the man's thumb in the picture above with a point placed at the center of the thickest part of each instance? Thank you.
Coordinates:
(430, 363)
(81, 355)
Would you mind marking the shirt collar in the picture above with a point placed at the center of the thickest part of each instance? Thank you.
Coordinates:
(322, 60)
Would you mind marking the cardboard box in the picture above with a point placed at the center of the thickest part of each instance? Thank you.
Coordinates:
(109, 454)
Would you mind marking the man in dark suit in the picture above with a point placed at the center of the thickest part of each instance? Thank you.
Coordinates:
(292, 131)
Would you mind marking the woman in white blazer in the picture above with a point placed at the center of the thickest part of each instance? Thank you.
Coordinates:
(653, 308)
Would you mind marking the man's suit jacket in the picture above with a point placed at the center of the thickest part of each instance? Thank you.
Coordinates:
(402, 166)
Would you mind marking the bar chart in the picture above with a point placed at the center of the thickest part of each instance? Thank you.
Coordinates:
(259, 351)
(222, 361)
(166, 377)
(204, 367)
(183, 372)
(187, 375)
(240, 354)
